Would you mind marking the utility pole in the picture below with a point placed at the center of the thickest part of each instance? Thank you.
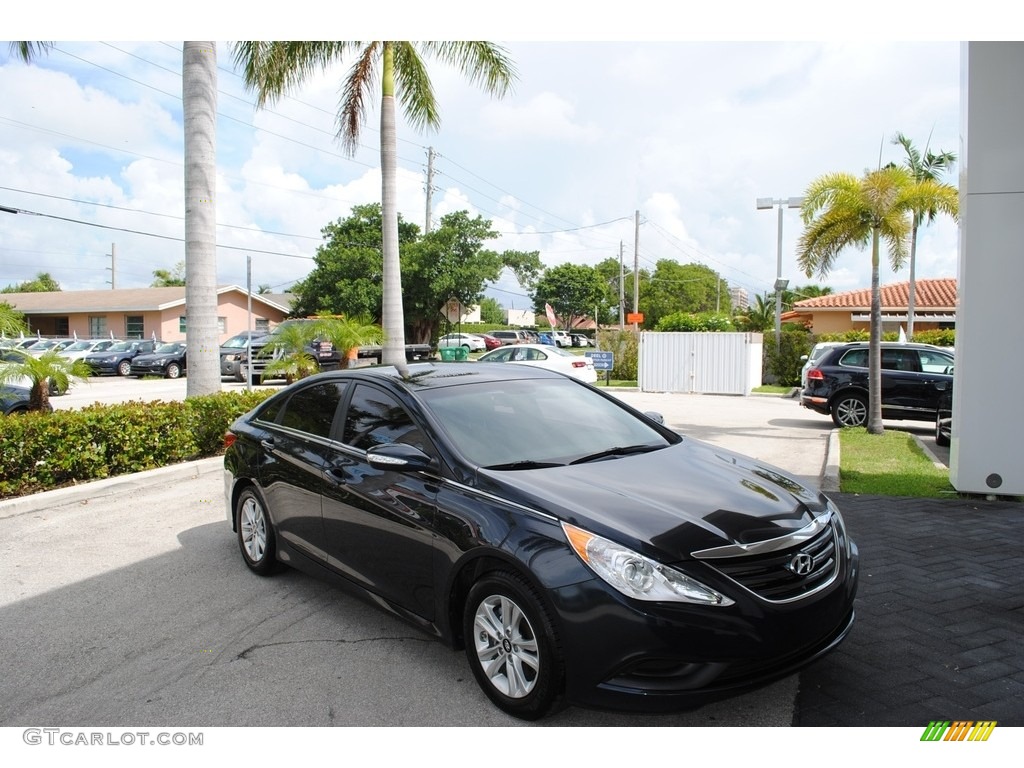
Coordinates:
(113, 265)
(430, 186)
(636, 266)
(622, 292)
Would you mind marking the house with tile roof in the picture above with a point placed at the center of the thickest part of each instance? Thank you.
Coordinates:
(139, 313)
(935, 306)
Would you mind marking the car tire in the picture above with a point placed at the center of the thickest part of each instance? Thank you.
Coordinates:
(124, 368)
(940, 439)
(172, 371)
(850, 410)
(512, 646)
(255, 533)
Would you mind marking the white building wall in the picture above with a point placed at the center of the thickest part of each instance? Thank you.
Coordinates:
(988, 419)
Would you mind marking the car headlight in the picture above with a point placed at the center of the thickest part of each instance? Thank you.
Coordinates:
(637, 576)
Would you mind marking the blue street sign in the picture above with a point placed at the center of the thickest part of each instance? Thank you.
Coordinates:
(603, 361)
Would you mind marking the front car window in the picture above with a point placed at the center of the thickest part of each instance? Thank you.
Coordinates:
(374, 417)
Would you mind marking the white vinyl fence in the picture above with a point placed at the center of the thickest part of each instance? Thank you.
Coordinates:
(707, 363)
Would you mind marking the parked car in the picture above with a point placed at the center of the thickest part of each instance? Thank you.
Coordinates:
(45, 345)
(470, 341)
(14, 398)
(116, 360)
(561, 338)
(546, 339)
(84, 347)
(580, 340)
(544, 356)
(944, 417)
(233, 350)
(490, 342)
(813, 356)
(518, 515)
(510, 337)
(167, 360)
(913, 377)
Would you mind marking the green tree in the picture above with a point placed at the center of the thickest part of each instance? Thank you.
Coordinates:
(451, 262)
(841, 210)
(50, 368)
(759, 316)
(689, 288)
(12, 322)
(572, 290)
(43, 282)
(928, 167)
(349, 266)
(397, 68)
(491, 311)
(611, 272)
(164, 278)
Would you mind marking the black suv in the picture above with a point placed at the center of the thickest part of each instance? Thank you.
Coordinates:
(913, 378)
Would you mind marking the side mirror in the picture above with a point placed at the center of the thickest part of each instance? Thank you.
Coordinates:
(655, 416)
(398, 457)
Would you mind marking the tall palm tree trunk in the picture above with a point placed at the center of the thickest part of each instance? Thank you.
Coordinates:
(393, 316)
(912, 286)
(874, 425)
(199, 98)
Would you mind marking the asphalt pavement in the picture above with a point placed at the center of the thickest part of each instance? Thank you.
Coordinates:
(940, 627)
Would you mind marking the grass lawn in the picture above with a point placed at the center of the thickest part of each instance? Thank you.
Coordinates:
(890, 464)
(771, 389)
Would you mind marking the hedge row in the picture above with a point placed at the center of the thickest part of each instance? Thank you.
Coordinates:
(42, 451)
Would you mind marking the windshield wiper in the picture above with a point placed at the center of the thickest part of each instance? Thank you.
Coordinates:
(526, 464)
(617, 451)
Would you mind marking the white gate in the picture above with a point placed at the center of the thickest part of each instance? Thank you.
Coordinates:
(707, 363)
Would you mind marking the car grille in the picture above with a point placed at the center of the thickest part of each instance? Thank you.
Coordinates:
(773, 577)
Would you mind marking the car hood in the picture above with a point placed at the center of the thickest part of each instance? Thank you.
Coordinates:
(671, 502)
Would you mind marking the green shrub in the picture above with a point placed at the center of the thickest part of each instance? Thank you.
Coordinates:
(783, 367)
(41, 451)
(624, 345)
(940, 337)
(691, 322)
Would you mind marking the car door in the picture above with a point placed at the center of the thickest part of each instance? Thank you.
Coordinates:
(295, 450)
(378, 523)
(901, 382)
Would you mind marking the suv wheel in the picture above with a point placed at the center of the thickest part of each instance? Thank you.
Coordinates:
(850, 410)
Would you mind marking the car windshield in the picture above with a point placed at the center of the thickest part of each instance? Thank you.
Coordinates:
(540, 422)
(237, 342)
(121, 346)
(79, 346)
(168, 349)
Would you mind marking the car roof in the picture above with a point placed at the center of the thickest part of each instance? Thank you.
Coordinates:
(434, 375)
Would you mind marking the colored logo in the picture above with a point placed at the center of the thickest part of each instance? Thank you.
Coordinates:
(958, 730)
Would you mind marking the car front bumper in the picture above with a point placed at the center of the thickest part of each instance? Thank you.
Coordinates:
(657, 657)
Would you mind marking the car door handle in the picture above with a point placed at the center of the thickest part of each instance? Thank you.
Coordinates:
(267, 445)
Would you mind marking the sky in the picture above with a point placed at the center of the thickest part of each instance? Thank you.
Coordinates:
(607, 146)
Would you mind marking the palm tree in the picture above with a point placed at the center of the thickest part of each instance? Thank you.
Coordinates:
(927, 168)
(48, 370)
(274, 67)
(840, 210)
(199, 108)
(12, 322)
(347, 334)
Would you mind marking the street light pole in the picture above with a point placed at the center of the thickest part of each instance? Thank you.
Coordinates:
(764, 203)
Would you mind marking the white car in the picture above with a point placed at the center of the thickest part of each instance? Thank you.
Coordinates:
(544, 356)
(470, 341)
(84, 347)
(561, 338)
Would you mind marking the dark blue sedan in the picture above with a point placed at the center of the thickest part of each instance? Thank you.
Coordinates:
(579, 551)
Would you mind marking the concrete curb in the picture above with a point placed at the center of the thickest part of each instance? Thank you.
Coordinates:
(830, 472)
(109, 486)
